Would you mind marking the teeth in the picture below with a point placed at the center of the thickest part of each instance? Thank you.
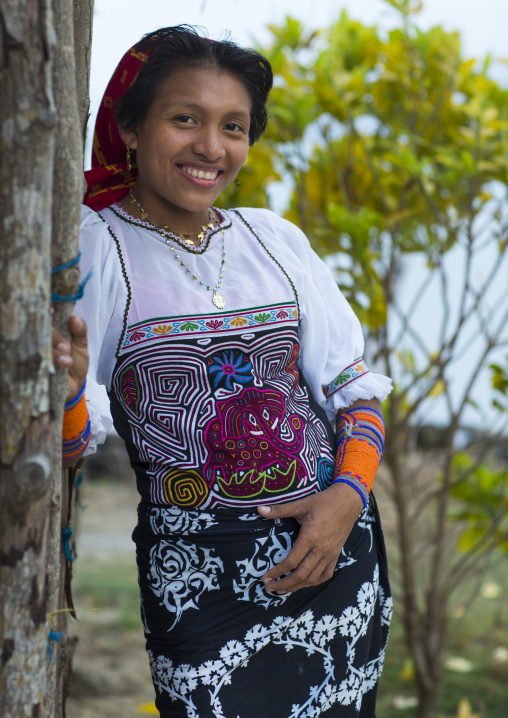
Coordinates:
(201, 174)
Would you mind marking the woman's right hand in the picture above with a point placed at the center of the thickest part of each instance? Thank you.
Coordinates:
(73, 356)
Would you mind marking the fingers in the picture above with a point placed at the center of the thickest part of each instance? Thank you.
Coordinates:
(61, 351)
(322, 572)
(312, 570)
(77, 327)
(294, 509)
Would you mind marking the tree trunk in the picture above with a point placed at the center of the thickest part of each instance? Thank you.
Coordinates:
(27, 120)
(67, 195)
(40, 193)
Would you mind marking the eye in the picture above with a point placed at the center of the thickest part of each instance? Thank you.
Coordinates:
(266, 414)
(234, 127)
(185, 119)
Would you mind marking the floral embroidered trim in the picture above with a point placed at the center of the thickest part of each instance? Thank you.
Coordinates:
(350, 373)
(209, 324)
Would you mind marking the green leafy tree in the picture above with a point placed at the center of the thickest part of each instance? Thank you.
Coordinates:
(396, 151)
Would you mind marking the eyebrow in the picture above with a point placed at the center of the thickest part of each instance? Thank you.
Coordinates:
(195, 106)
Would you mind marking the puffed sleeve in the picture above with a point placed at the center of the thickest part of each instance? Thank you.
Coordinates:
(100, 307)
(331, 338)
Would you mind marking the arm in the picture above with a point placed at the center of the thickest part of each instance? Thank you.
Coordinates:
(326, 520)
(74, 358)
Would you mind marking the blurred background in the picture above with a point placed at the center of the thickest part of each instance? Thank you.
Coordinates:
(388, 146)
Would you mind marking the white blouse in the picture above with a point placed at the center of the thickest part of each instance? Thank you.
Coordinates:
(135, 276)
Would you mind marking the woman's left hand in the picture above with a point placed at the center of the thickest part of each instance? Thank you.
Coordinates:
(72, 356)
(326, 520)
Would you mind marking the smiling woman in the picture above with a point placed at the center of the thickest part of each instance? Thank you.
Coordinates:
(223, 342)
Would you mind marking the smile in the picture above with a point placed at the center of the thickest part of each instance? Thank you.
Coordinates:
(200, 174)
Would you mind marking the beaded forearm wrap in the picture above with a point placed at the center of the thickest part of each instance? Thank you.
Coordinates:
(360, 444)
(76, 426)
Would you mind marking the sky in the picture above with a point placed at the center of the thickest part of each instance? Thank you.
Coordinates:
(118, 24)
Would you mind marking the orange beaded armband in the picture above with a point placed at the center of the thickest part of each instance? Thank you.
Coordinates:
(76, 427)
(360, 444)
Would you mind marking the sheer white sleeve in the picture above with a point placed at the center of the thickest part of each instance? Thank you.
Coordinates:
(331, 339)
(101, 308)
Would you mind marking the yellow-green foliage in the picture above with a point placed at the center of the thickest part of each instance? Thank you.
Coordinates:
(391, 143)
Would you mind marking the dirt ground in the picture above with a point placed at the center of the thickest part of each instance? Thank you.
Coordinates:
(111, 677)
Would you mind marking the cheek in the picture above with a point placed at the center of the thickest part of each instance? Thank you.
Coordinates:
(241, 155)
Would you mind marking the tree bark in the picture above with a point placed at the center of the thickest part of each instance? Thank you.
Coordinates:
(71, 74)
(41, 135)
(27, 122)
(67, 194)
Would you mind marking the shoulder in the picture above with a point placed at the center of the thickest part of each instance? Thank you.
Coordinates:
(268, 225)
(96, 239)
(90, 219)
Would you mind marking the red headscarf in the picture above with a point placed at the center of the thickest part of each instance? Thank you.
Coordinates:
(109, 179)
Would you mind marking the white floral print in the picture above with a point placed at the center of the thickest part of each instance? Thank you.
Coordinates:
(180, 573)
(268, 551)
(304, 633)
(174, 519)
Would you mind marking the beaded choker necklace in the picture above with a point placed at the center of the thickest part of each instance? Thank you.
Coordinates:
(181, 238)
(217, 299)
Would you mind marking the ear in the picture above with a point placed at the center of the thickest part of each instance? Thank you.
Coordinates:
(130, 138)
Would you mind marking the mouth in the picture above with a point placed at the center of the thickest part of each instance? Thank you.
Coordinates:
(200, 174)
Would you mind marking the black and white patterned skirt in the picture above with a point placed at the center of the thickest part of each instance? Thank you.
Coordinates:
(220, 646)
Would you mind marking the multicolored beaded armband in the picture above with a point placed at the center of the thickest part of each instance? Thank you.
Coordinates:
(76, 426)
(360, 444)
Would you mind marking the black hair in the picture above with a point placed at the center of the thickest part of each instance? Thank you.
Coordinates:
(181, 47)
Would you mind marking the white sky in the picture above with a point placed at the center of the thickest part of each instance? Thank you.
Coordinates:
(118, 24)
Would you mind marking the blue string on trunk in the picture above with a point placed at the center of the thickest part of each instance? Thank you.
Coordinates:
(81, 287)
(53, 637)
(65, 538)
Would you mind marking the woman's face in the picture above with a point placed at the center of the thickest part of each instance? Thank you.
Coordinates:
(193, 141)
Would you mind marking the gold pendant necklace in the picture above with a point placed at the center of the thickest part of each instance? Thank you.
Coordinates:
(217, 298)
(182, 239)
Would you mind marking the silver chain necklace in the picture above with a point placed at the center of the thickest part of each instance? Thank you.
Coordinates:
(217, 298)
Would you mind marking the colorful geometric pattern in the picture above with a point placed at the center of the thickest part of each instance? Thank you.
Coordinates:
(144, 332)
(347, 375)
(76, 428)
(221, 419)
(360, 445)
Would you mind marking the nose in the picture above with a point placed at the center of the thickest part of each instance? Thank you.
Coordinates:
(209, 144)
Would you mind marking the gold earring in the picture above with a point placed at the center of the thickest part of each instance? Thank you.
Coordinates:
(237, 182)
(129, 166)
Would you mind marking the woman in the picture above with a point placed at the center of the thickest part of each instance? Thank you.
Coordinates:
(228, 354)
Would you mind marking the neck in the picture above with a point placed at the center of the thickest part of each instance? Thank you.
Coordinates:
(188, 225)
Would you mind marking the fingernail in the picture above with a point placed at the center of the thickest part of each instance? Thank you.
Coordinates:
(265, 509)
(266, 580)
(65, 360)
(63, 347)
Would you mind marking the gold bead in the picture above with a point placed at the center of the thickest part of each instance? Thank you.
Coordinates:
(193, 277)
(172, 249)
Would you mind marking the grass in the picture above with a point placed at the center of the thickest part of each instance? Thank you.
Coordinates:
(483, 629)
(107, 592)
